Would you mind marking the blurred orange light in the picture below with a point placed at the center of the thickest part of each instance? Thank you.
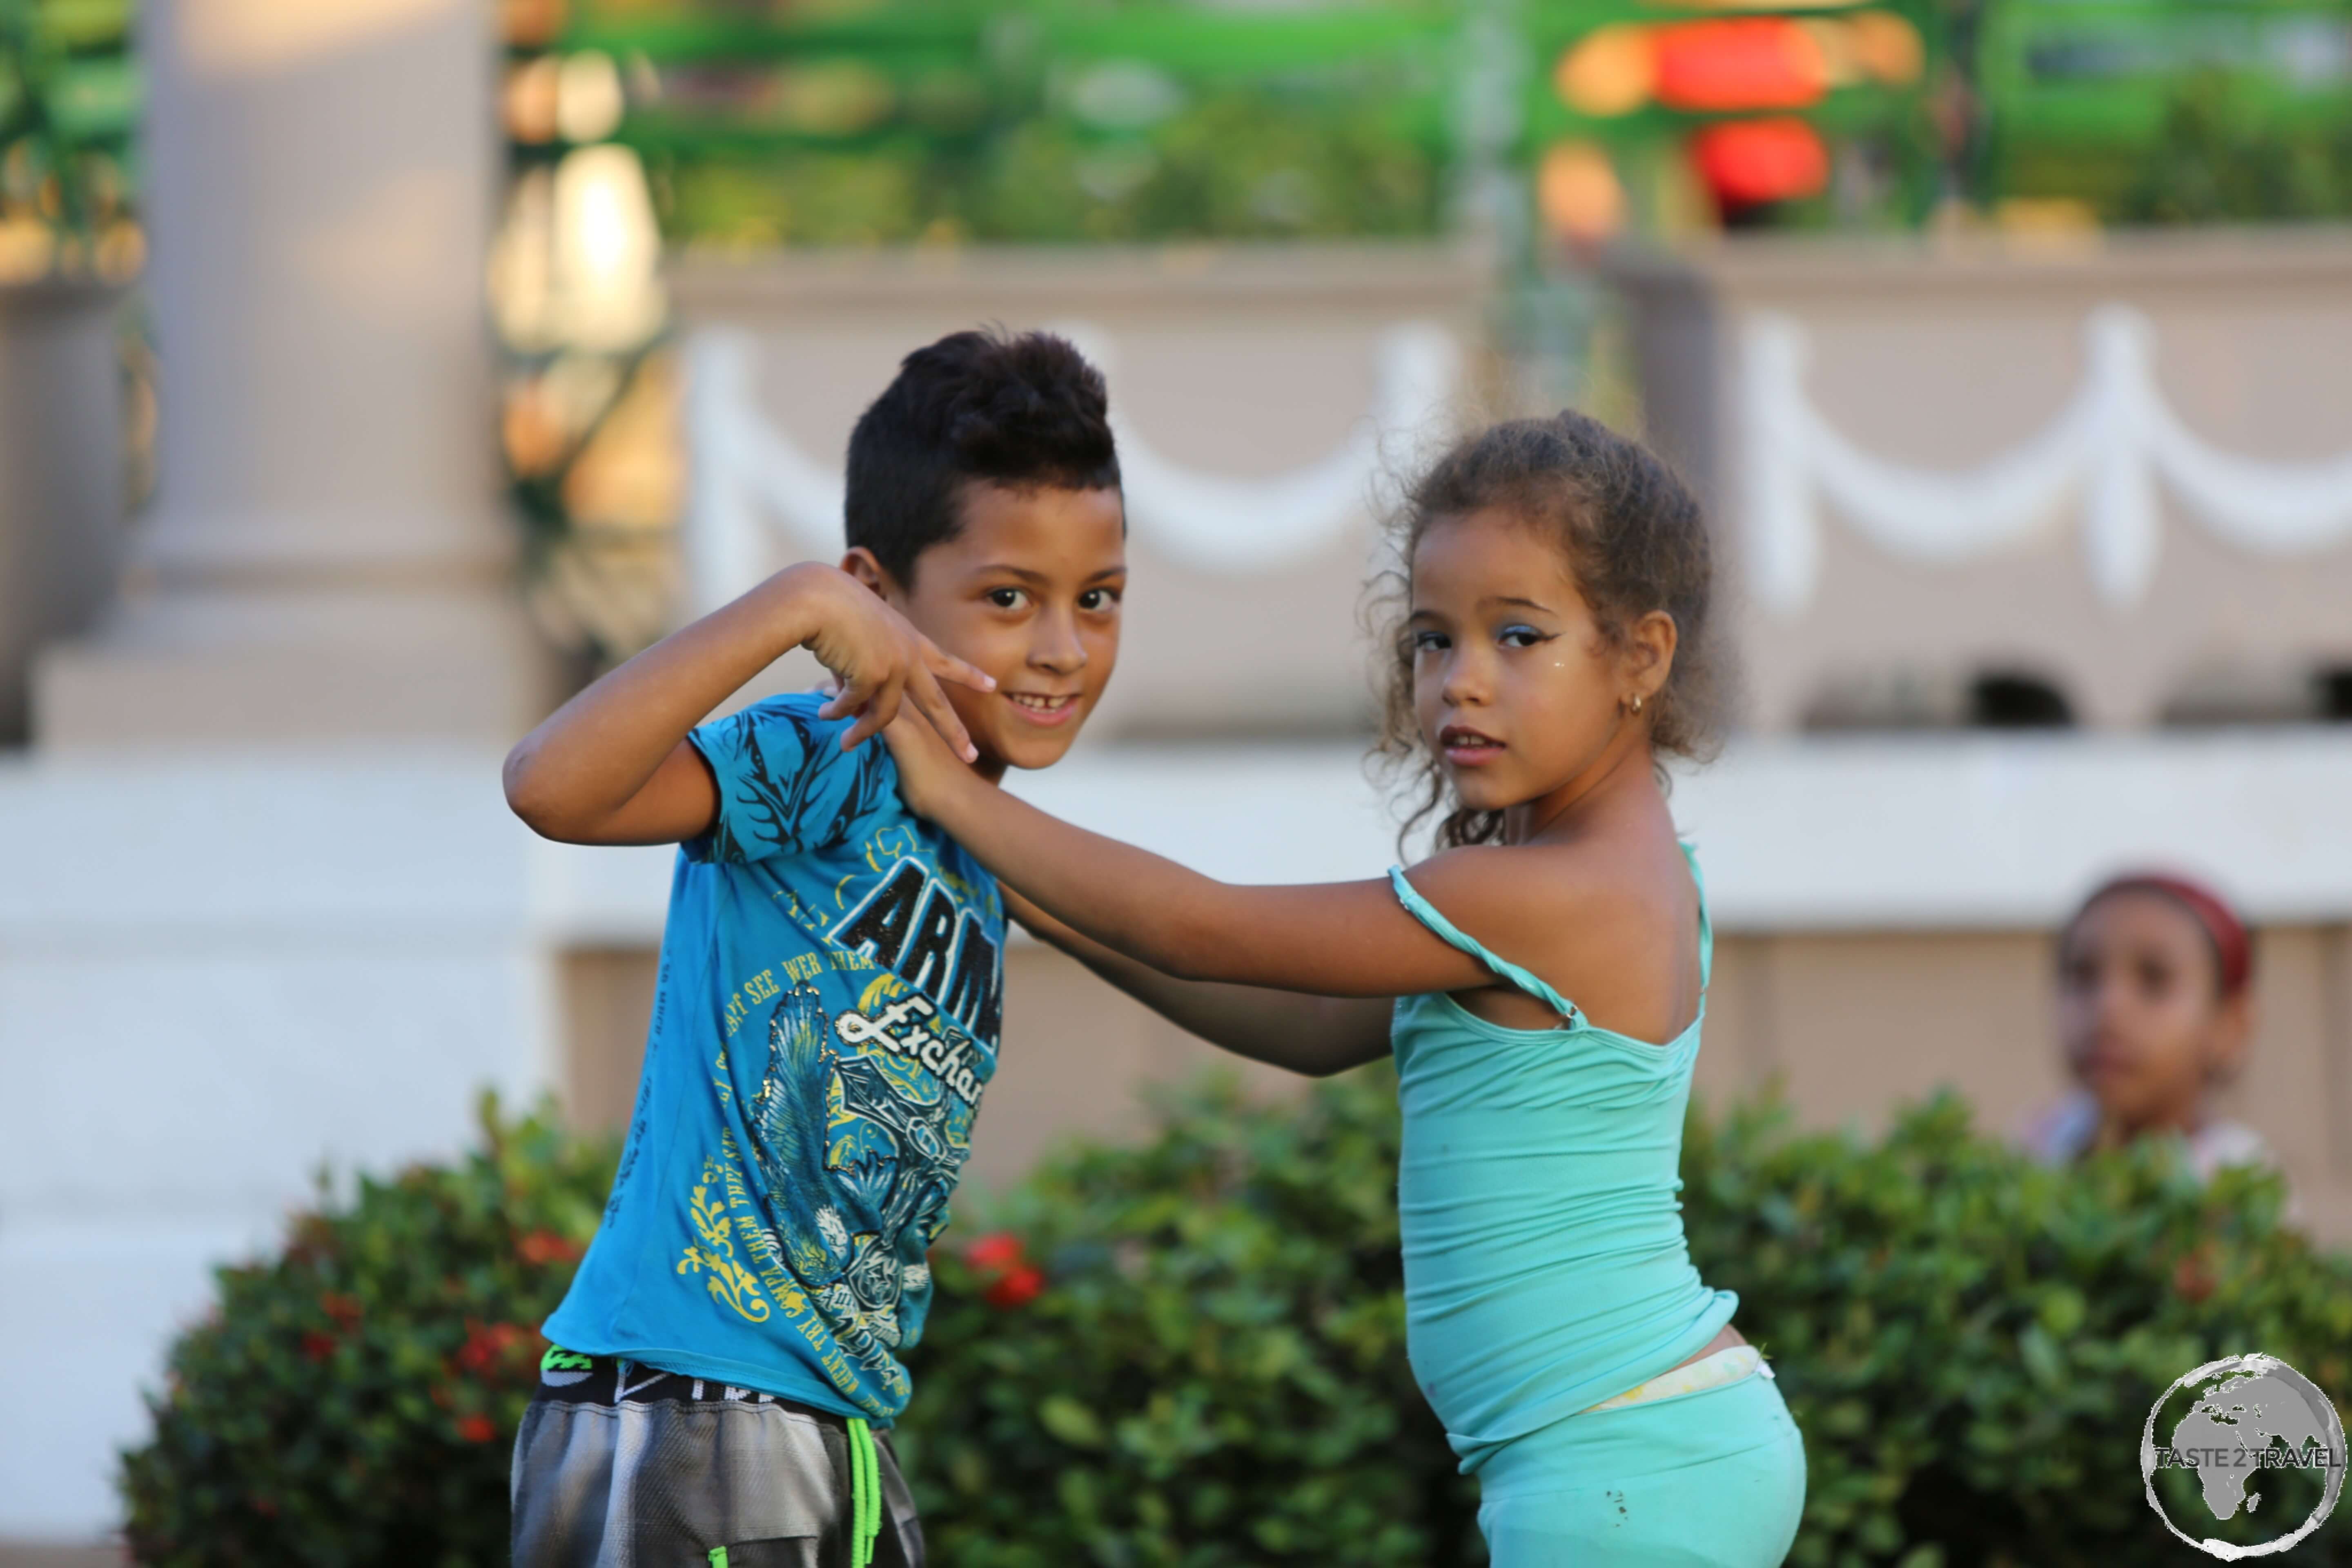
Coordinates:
(530, 24)
(1888, 47)
(1840, 64)
(1752, 62)
(532, 99)
(1611, 71)
(1748, 162)
(1577, 191)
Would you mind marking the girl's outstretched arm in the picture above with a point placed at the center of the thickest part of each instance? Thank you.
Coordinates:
(1332, 939)
(1317, 1036)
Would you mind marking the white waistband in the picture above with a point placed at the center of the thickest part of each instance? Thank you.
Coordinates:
(1729, 1365)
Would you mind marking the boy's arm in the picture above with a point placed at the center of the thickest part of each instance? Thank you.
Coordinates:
(614, 766)
(1317, 1036)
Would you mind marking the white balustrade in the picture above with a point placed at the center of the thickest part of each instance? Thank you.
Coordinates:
(2108, 450)
(758, 498)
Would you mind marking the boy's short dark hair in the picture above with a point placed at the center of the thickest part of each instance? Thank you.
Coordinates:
(1022, 411)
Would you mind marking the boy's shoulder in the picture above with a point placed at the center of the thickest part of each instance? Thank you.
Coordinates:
(792, 714)
(786, 786)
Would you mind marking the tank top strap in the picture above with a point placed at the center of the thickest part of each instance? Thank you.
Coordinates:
(1705, 924)
(1427, 914)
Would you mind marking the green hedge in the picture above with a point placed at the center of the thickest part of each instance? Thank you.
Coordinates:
(1213, 1372)
(1971, 1343)
(1191, 1352)
(354, 1400)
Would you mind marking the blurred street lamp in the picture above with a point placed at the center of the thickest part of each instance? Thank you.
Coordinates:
(606, 277)
(578, 261)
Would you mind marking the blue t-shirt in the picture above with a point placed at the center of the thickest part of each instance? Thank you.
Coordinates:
(827, 1014)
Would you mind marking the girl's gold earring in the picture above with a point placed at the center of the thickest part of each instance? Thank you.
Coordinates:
(1637, 703)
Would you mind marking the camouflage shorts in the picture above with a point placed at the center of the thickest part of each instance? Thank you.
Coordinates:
(619, 1465)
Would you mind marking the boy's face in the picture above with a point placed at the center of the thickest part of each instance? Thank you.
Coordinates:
(1028, 589)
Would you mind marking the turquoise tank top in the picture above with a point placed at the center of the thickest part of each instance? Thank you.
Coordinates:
(1544, 1267)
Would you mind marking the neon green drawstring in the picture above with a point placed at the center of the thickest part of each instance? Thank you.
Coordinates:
(864, 1494)
(865, 1498)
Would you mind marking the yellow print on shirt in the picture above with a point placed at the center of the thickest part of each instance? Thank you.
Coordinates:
(729, 1280)
(762, 988)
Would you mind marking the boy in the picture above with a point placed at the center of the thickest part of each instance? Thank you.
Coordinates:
(830, 984)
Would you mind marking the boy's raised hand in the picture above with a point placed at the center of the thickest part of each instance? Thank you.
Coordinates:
(880, 659)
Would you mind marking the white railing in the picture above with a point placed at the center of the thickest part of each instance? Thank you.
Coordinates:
(2107, 449)
(759, 500)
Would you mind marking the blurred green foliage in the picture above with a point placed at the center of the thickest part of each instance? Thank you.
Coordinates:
(69, 98)
(1233, 166)
(1211, 1370)
(2168, 111)
(1971, 1343)
(1214, 1373)
(354, 1400)
(943, 122)
(2219, 159)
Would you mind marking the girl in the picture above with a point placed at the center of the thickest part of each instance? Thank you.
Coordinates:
(1541, 982)
(2154, 1009)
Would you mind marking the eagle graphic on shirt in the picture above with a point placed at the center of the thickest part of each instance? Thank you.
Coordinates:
(858, 1144)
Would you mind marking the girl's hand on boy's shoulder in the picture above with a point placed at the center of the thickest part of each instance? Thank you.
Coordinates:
(880, 660)
(929, 774)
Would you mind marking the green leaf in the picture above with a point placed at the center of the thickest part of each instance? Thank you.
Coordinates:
(1070, 1421)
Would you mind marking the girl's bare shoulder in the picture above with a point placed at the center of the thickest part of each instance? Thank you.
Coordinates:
(1552, 894)
(1606, 877)
(1610, 922)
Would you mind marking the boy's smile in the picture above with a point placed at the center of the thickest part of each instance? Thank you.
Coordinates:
(1028, 589)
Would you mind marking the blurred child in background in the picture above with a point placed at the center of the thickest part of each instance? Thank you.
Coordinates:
(2154, 1009)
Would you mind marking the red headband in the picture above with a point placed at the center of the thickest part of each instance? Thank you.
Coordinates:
(2232, 953)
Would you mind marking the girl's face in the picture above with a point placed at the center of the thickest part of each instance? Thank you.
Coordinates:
(1518, 693)
(2140, 1010)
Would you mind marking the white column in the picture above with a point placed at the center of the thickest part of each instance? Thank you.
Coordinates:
(264, 957)
(325, 554)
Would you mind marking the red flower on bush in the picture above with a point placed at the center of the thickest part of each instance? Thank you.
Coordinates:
(542, 1248)
(317, 1346)
(488, 1346)
(1012, 1279)
(1017, 1288)
(997, 1250)
(478, 1429)
(2194, 1277)
(345, 1310)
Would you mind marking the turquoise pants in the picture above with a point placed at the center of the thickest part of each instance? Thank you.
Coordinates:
(1713, 1478)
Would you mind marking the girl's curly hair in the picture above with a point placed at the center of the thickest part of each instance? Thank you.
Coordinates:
(1635, 541)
